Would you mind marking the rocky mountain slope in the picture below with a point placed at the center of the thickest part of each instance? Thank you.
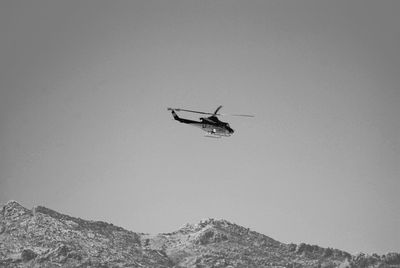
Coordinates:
(42, 237)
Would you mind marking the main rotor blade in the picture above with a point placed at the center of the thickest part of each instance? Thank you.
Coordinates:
(190, 111)
(243, 115)
(198, 112)
(216, 111)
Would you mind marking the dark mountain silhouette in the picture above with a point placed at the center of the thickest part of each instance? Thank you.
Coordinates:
(42, 237)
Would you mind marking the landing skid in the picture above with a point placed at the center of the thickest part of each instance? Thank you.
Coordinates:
(213, 136)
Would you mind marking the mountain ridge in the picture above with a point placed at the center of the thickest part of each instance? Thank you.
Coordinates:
(42, 237)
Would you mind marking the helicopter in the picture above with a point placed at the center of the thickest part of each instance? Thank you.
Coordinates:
(212, 125)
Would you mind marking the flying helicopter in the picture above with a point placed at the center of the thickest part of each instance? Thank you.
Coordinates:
(211, 124)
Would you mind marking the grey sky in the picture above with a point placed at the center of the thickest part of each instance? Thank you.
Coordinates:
(84, 87)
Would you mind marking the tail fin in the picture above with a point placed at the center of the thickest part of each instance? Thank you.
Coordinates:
(176, 117)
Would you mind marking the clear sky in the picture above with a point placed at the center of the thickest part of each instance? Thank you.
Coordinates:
(84, 126)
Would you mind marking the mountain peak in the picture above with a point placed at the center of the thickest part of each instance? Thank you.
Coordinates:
(13, 209)
(207, 222)
(12, 203)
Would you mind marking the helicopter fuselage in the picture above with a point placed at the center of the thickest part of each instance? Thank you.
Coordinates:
(212, 125)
